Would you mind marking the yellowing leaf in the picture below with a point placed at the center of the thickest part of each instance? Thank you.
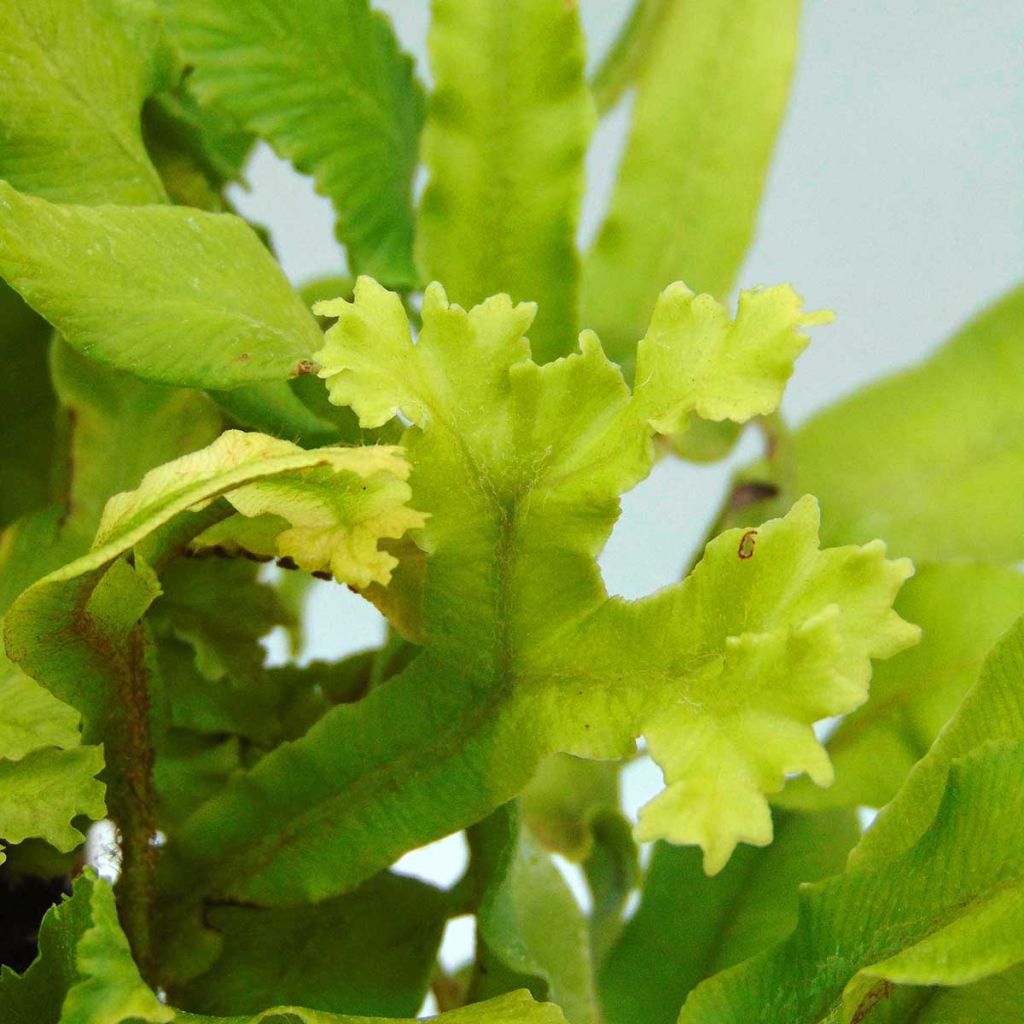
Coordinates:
(340, 501)
(504, 153)
(693, 359)
(746, 654)
(710, 91)
(519, 467)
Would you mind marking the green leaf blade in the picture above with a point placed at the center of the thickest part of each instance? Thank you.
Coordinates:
(370, 952)
(42, 793)
(710, 96)
(504, 144)
(72, 83)
(326, 84)
(689, 927)
(173, 295)
(962, 609)
(933, 892)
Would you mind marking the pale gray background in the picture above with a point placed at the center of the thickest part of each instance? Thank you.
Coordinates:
(895, 198)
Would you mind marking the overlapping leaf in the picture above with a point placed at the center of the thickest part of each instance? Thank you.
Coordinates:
(85, 975)
(520, 468)
(931, 459)
(530, 931)
(72, 83)
(564, 798)
(369, 952)
(83, 597)
(326, 84)
(109, 411)
(335, 503)
(78, 632)
(962, 609)
(996, 1000)
(212, 664)
(505, 157)
(196, 150)
(170, 294)
(689, 927)
(933, 894)
(710, 92)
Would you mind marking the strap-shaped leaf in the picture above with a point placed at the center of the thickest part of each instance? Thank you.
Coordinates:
(168, 293)
(530, 930)
(504, 144)
(709, 97)
(625, 58)
(520, 467)
(73, 78)
(689, 927)
(934, 892)
(325, 83)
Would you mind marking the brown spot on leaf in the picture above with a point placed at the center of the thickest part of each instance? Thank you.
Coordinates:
(881, 991)
(747, 543)
(243, 357)
(305, 366)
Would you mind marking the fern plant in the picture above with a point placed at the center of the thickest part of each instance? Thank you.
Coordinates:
(440, 435)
